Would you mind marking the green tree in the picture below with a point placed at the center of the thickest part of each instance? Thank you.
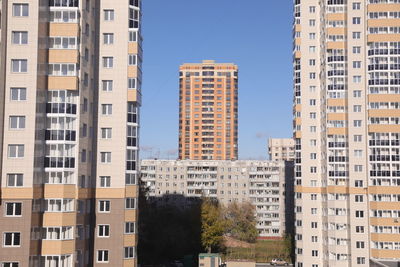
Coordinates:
(241, 221)
(212, 225)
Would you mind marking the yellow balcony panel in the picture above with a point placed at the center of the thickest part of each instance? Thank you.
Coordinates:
(297, 28)
(85, 193)
(384, 205)
(337, 189)
(336, 102)
(383, 22)
(384, 128)
(336, 45)
(384, 37)
(358, 191)
(130, 215)
(16, 193)
(303, 189)
(384, 221)
(297, 107)
(297, 54)
(64, 29)
(384, 190)
(118, 193)
(59, 218)
(298, 121)
(337, 116)
(298, 134)
(63, 83)
(131, 191)
(63, 56)
(132, 71)
(336, 31)
(384, 98)
(59, 191)
(383, 7)
(129, 262)
(385, 237)
(297, 41)
(385, 253)
(133, 48)
(336, 16)
(337, 131)
(130, 240)
(384, 113)
(57, 247)
(134, 95)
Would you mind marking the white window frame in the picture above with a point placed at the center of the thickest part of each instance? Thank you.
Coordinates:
(109, 14)
(107, 85)
(14, 204)
(19, 65)
(105, 181)
(108, 62)
(19, 37)
(19, 95)
(19, 150)
(104, 253)
(103, 230)
(20, 10)
(104, 206)
(19, 121)
(108, 38)
(16, 177)
(12, 239)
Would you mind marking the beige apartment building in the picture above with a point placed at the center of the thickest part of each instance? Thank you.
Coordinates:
(281, 149)
(70, 98)
(180, 182)
(347, 131)
(208, 111)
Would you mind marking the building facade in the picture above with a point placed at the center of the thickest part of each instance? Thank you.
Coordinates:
(70, 98)
(346, 129)
(208, 111)
(179, 182)
(281, 149)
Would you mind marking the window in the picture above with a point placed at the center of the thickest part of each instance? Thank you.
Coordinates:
(64, 16)
(313, 115)
(129, 227)
(105, 181)
(356, 6)
(359, 229)
(108, 38)
(12, 239)
(357, 108)
(10, 264)
(19, 37)
(314, 253)
(356, 49)
(65, 69)
(312, 49)
(358, 168)
(356, 64)
(358, 153)
(106, 133)
(129, 252)
(132, 36)
(313, 129)
(357, 123)
(106, 109)
(102, 256)
(130, 203)
(356, 20)
(358, 183)
(314, 224)
(313, 155)
(314, 239)
(20, 10)
(357, 93)
(109, 15)
(313, 211)
(103, 230)
(360, 260)
(312, 9)
(313, 102)
(360, 244)
(311, 22)
(15, 151)
(357, 138)
(359, 214)
(18, 94)
(312, 36)
(359, 198)
(17, 122)
(105, 157)
(356, 35)
(104, 205)
(108, 62)
(107, 85)
(130, 179)
(13, 209)
(313, 75)
(356, 79)
(15, 179)
(313, 196)
(312, 62)
(131, 83)
(132, 59)
(19, 65)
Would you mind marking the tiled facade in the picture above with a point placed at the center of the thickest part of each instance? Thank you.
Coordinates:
(346, 129)
(70, 98)
(179, 182)
(281, 149)
(208, 111)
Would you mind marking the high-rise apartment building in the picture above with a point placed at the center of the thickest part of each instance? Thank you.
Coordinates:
(70, 97)
(208, 111)
(347, 131)
(281, 149)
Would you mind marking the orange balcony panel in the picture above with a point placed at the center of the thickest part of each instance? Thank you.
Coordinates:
(383, 22)
(133, 48)
(336, 16)
(383, 7)
(384, 98)
(57, 247)
(16, 193)
(337, 131)
(336, 45)
(385, 253)
(337, 116)
(130, 215)
(63, 83)
(384, 113)
(384, 128)
(59, 218)
(63, 56)
(130, 240)
(385, 237)
(384, 38)
(64, 29)
(132, 72)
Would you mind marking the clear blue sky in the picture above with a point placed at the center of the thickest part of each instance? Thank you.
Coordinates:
(254, 34)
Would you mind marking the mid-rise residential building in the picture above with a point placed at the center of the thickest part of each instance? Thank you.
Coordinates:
(70, 98)
(347, 131)
(208, 111)
(281, 149)
(180, 182)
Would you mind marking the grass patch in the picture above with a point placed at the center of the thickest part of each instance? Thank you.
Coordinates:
(263, 251)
